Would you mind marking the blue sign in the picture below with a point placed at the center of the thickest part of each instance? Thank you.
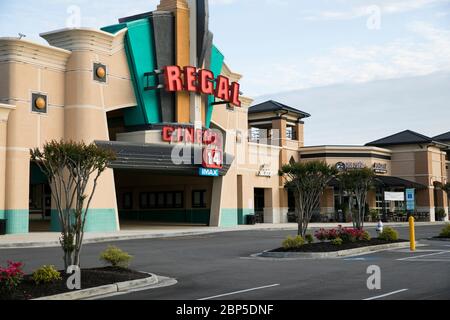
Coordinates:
(204, 172)
(410, 199)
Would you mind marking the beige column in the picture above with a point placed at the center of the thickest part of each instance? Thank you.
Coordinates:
(425, 202)
(301, 134)
(85, 120)
(371, 199)
(180, 9)
(327, 201)
(5, 109)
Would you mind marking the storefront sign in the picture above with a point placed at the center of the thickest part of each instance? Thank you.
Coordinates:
(341, 166)
(380, 168)
(180, 134)
(212, 158)
(410, 199)
(205, 172)
(201, 81)
(394, 196)
(265, 171)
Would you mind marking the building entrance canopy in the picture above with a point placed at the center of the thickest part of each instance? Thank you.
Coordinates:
(157, 158)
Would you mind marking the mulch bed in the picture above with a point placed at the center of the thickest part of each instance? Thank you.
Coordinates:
(328, 247)
(90, 278)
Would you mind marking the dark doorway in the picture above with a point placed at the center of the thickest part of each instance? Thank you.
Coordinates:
(259, 205)
(39, 201)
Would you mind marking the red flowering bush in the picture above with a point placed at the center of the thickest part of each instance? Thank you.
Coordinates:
(321, 235)
(346, 234)
(10, 277)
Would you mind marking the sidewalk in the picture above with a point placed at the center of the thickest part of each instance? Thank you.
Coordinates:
(51, 239)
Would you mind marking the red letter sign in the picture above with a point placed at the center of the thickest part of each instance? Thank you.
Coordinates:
(223, 88)
(189, 79)
(235, 94)
(206, 85)
(172, 77)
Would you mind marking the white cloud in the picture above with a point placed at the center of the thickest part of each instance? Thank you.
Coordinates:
(388, 7)
(356, 64)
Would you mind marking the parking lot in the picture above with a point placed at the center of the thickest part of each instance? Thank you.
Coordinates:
(219, 266)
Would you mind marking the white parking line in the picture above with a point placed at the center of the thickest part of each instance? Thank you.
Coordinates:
(424, 255)
(237, 292)
(386, 295)
(431, 260)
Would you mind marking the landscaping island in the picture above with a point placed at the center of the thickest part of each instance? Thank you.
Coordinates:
(337, 240)
(329, 247)
(90, 278)
(445, 233)
(47, 281)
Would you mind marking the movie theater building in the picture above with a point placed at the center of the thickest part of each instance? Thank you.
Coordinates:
(190, 149)
(147, 87)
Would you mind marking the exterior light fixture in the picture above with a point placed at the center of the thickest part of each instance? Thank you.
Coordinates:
(39, 103)
(100, 72)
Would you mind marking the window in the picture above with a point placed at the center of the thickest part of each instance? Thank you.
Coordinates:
(169, 200)
(128, 201)
(161, 200)
(255, 134)
(291, 133)
(179, 203)
(143, 201)
(199, 199)
(152, 200)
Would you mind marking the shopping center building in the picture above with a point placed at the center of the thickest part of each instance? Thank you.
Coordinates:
(191, 148)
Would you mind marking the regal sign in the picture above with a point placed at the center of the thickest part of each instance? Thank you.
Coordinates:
(201, 81)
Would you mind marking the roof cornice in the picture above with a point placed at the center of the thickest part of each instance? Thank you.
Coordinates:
(86, 39)
(24, 51)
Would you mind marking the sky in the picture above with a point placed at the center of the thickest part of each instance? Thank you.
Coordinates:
(297, 46)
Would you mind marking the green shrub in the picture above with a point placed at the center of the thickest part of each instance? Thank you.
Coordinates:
(389, 234)
(445, 233)
(293, 243)
(116, 257)
(337, 242)
(365, 236)
(309, 238)
(46, 274)
(374, 216)
(440, 214)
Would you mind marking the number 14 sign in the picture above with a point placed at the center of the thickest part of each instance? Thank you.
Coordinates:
(212, 159)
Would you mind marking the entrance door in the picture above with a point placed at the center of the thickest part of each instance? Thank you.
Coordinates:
(259, 205)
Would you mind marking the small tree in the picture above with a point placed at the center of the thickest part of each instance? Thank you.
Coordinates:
(357, 183)
(307, 180)
(73, 170)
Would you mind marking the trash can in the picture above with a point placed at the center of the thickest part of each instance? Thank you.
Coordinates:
(2, 227)
(251, 220)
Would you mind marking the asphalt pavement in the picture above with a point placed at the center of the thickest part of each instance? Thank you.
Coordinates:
(220, 266)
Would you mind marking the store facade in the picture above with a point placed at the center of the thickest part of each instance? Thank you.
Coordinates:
(405, 163)
(191, 149)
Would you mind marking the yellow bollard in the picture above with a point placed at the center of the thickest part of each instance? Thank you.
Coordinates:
(412, 233)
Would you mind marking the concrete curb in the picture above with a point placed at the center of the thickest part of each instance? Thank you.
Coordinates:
(105, 290)
(143, 236)
(331, 255)
(439, 239)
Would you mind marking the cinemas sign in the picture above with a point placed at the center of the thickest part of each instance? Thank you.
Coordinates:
(201, 81)
(210, 140)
